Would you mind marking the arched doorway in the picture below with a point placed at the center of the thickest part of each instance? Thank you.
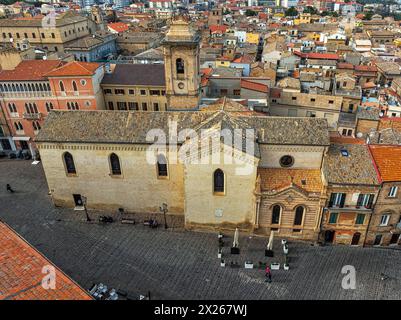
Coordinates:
(355, 239)
(329, 236)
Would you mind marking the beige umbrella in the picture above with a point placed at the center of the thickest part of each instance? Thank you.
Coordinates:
(236, 237)
(270, 244)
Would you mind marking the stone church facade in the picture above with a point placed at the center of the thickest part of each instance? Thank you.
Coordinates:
(108, 158)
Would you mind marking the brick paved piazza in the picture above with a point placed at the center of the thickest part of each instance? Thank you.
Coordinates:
(176, 264)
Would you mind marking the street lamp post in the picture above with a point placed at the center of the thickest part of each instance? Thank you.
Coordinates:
(84, 200)
(164, 209)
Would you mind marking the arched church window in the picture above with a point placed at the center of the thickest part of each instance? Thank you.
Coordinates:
(179, 63)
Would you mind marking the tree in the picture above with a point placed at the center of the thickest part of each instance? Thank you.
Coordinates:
(250, 13)
(291, 12)
(368, 15)
(310, 10)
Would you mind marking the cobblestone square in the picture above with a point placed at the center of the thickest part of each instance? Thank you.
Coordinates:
(178, 264)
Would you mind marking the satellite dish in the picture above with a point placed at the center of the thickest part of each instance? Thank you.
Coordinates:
(359, 135)
(44, 57)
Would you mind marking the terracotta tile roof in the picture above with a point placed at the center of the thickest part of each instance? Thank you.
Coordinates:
(346, 140)
(275, 92)
(75, 68)
(350, 164)
(344, 65)
(316, 55)
(30, 70)
(260, 87)
(388, 161)
(132, 127)
(278, 178)
(217, 28)
(366, 68)
(21, 272)
(118, 26)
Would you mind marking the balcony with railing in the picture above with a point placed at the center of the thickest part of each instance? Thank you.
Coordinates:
(32, 116)
(26, 94)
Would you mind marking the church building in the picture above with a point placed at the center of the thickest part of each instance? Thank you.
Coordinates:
(139, 160)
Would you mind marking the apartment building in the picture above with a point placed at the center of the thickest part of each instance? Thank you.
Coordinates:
(297, 104)
(47, 33)
(352, 189)
(35, 87)
(135, 87)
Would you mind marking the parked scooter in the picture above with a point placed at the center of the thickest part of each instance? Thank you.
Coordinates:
(152, 223)
(106, 219)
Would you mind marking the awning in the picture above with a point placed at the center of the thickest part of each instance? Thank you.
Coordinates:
(21, 138)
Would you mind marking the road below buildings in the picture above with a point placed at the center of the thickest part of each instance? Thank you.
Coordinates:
(176, 264)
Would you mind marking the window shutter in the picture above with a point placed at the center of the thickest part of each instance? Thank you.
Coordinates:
(370, 201)
(331, 200)
(342, 201)
(359, 201)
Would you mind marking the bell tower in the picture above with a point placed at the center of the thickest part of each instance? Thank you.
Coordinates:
(181, 62)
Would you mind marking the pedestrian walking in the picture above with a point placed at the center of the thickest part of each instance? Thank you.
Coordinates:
(9, 189)
(268, 274)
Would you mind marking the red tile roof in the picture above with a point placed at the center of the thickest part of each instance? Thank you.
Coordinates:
(345, 65)
(255, 86)
(366, 68)
(21, 272)
(118, 26)
(275, 92)
(316, 55)
(217, 28)
(30, 70)
(75, 68)
(346, 140)
(388, 161)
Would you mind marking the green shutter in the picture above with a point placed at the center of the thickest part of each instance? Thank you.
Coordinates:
(360, 218)
(333, 217)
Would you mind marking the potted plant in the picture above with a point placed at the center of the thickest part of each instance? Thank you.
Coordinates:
(283, 241)
(222, 263)
(219, 253)
(275, 266)
(286, 266)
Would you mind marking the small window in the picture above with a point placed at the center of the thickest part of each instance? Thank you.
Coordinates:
(155, 106)
(119, 91)
(276, 212)
(180, 66)
(331, 101)
(110, 105)
(133, 105)
(74, 86)
(143, 92)
(144, 106)
(162, 166)
(218, 181)
(286, 161)
(107, 91)
(121, 105)
(299, 215)
(333, 217)
(393, 192)
(337, 200)
(69, 163)
(61, 86)
(360, 218)
(384, 220)
(312, 100)
(294, 98)
(115, 164)
(131, 91)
